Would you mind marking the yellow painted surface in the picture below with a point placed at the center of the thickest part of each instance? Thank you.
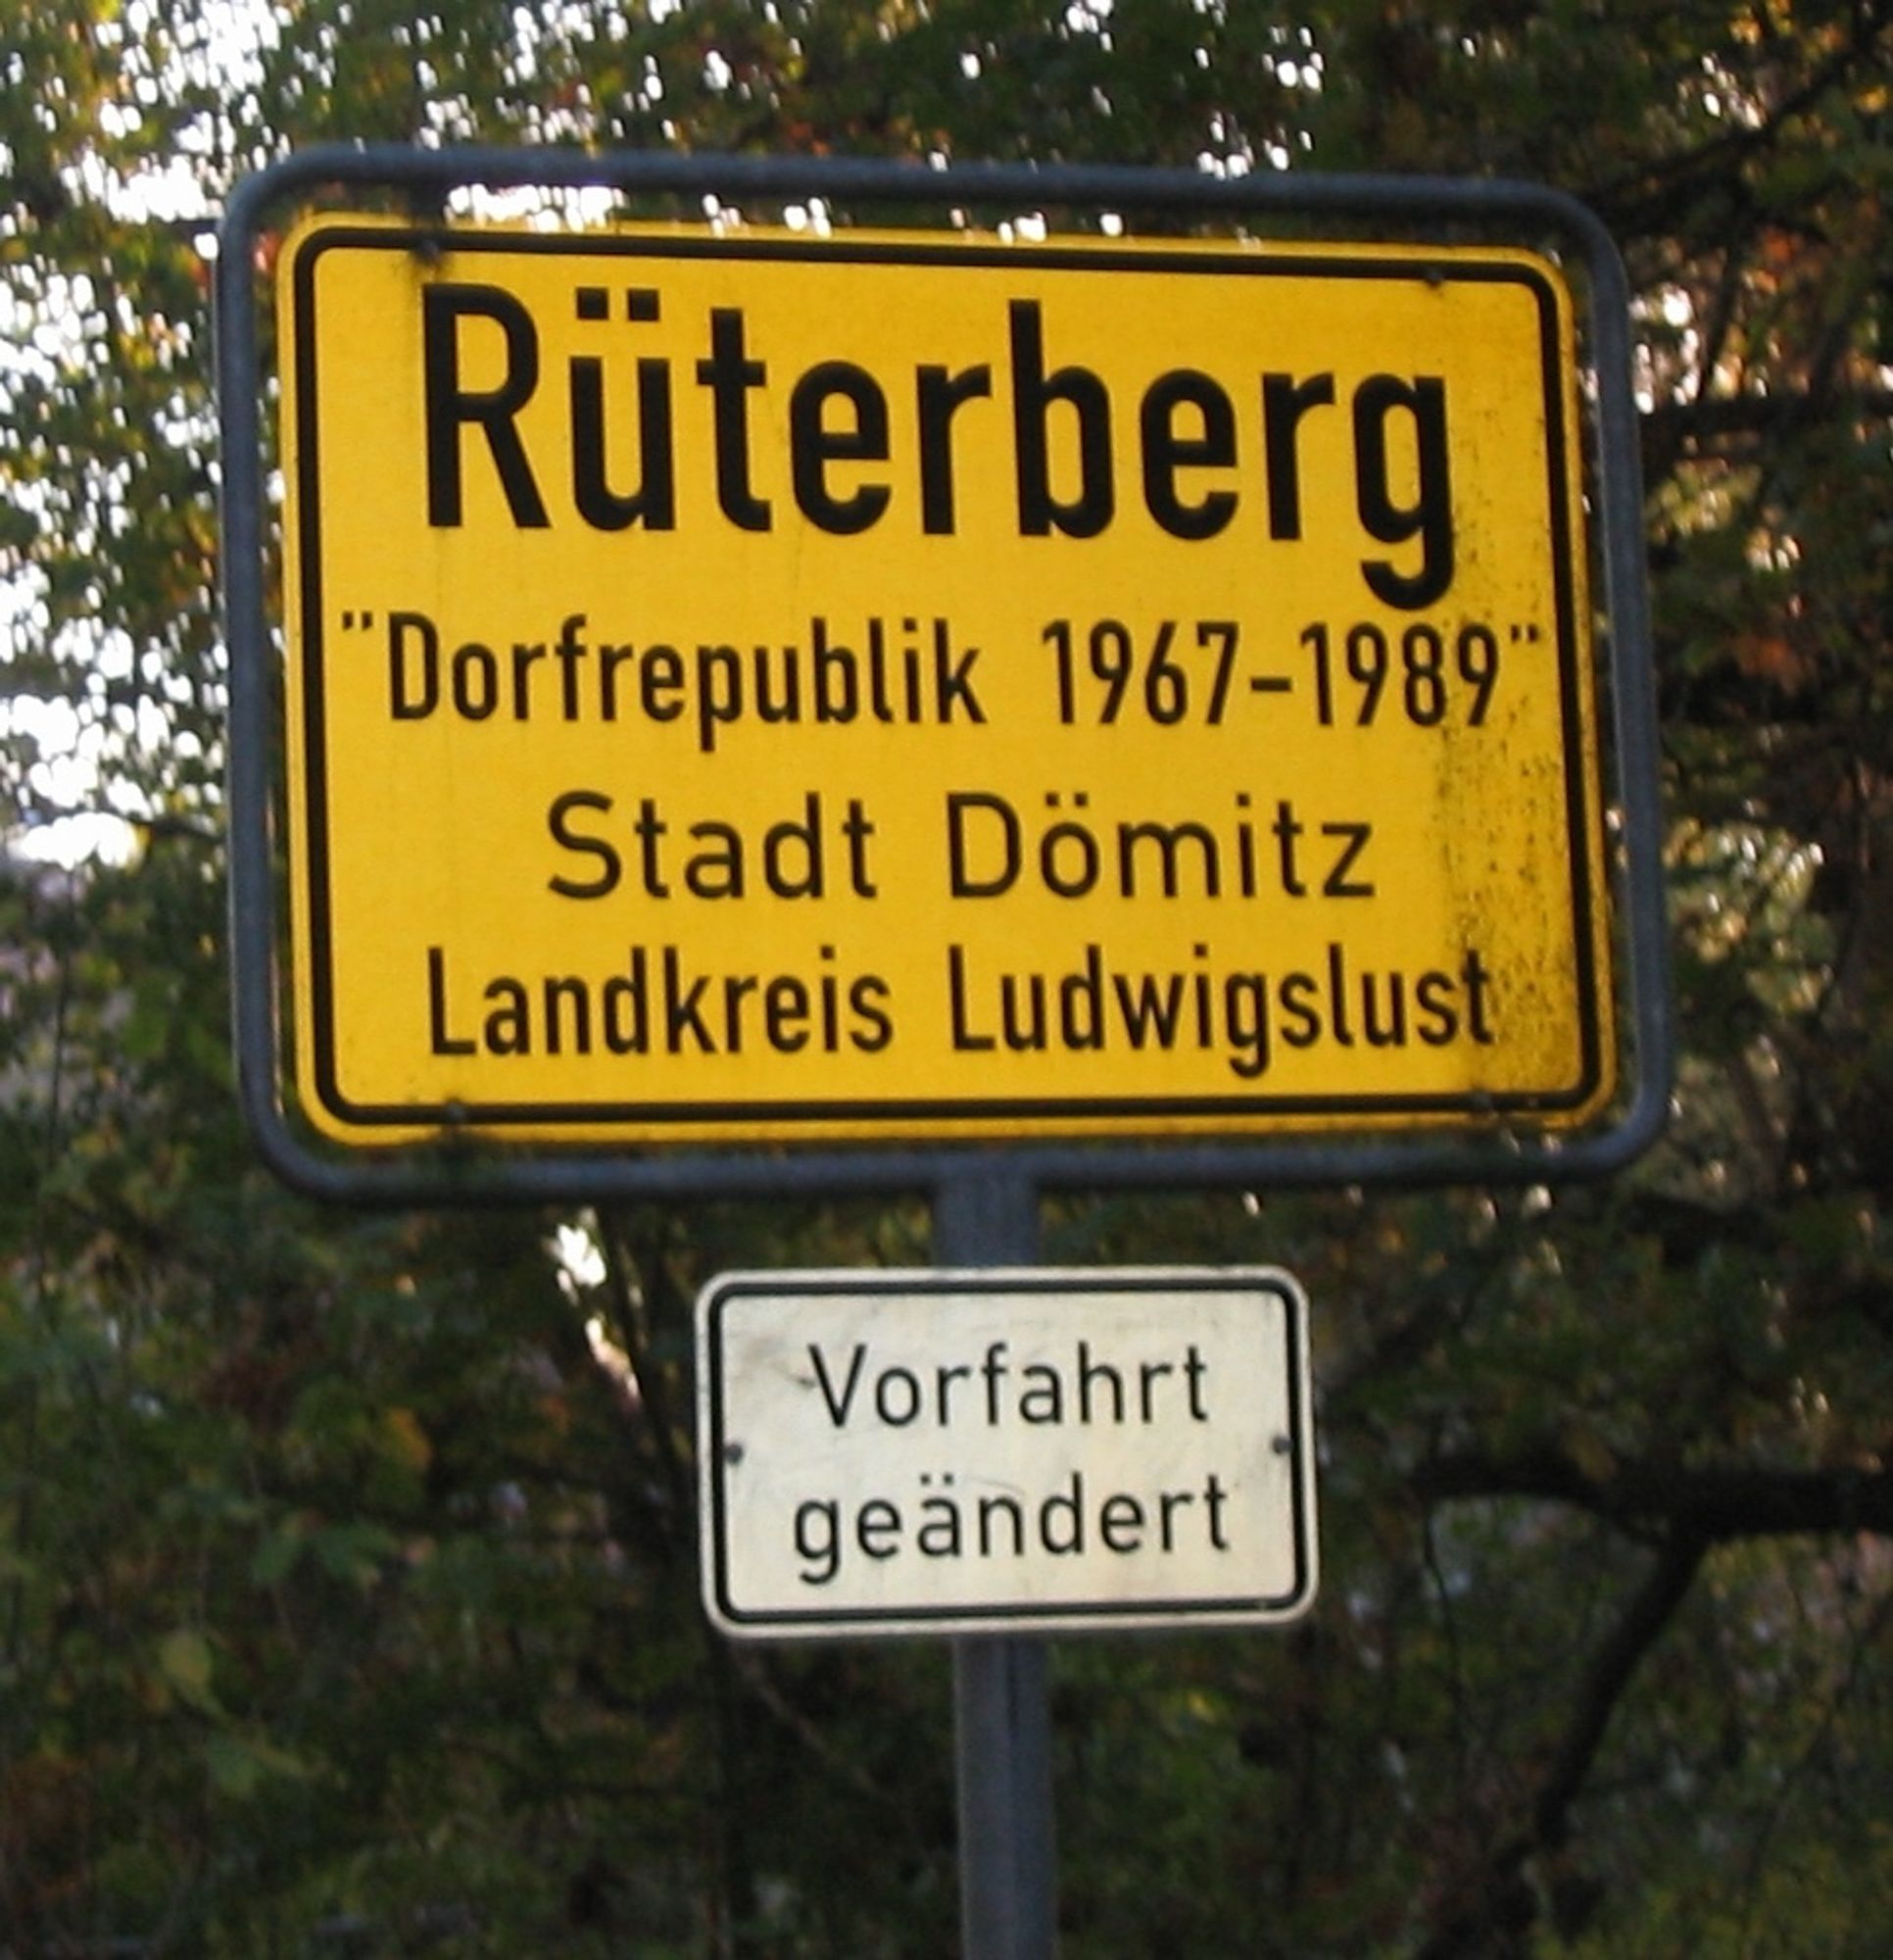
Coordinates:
(903, 687)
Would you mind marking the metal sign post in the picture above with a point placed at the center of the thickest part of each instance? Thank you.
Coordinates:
(989, 1216)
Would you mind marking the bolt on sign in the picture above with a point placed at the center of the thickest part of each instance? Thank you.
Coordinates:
(759, 687)
(981, 1451)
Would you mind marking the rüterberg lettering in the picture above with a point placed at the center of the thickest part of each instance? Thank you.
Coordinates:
(1207, 448)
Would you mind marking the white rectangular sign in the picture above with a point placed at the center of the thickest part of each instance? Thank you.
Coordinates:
(996, 1451)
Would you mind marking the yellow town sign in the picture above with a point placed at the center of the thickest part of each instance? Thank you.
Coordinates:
(764, 687)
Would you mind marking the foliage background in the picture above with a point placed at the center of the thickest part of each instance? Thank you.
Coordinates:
(346, 1562)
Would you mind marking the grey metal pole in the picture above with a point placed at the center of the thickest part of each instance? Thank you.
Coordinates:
(988, 1215)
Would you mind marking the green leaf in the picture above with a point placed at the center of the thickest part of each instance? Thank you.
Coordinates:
(184, 1662)
(239, 1765)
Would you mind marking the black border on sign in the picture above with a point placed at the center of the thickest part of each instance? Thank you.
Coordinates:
(1070, 1616)
(892, 1110)
(459, 1169)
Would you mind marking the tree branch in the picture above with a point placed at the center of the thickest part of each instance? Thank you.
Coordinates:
(1498, 1896)
(1655, 199)
(1638, 1628)
(1684, 1512)
(1652, 1498)
(1719, 418)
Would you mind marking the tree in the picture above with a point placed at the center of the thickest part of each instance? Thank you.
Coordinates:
(346, 1587)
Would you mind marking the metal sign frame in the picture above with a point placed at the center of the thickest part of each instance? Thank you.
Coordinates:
(475, 1174)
